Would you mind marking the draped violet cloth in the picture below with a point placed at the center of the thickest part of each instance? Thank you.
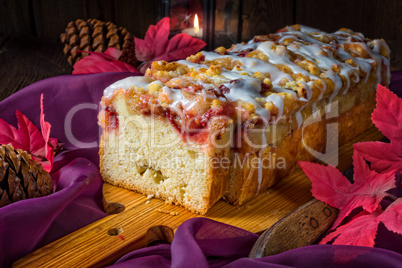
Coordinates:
(71, 105)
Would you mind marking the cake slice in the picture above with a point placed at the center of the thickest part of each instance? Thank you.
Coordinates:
(145, 147)
(230, 123)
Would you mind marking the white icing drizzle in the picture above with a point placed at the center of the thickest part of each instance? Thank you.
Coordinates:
(299, 118)
(377, 58)
(279, 55)
(247, 89)
(251, 66)
(307, 29)
(192, 65)
(238, 48)
(176, 95)
(126, 83)
(260, 153)
(278, 101)
(284, 37)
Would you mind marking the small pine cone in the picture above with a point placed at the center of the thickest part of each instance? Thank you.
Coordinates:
(95, 35)
(128, 55)
(21, 177)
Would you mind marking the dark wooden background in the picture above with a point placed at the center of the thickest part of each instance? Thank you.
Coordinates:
(30, 49)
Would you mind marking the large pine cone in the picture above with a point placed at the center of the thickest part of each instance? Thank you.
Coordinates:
(21, 177)
(95, 35)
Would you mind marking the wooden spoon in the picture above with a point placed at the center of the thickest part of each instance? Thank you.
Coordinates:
(300, 228)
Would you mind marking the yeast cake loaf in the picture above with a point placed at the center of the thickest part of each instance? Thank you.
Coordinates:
(231, 122)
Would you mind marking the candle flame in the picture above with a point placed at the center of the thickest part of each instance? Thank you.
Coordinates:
(196, 24)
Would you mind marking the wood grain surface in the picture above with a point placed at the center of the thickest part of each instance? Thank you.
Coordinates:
(25, 60)
(262, 17)
(103, 242)
(48, 18)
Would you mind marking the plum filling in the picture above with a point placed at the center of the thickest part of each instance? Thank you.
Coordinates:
(192, 118)
(193, 127)
(111, 119)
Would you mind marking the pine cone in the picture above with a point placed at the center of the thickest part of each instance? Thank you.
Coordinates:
(95, 35)
(21, 177)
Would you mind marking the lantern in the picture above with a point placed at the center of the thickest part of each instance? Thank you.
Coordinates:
(217, 22)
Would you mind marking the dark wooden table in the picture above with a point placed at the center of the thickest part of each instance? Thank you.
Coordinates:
(25, 60)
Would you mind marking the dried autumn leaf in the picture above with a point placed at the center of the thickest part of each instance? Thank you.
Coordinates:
(155, 41)
(332, 188)
(179, 47)
(98, 62)
(27, 137)
(156, 45)
(362, 229)
(384, 157)
(397, 192)
(387, 117)
(369, 187)
(50, 143)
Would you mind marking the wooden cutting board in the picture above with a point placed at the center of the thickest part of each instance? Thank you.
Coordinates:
(104, 241)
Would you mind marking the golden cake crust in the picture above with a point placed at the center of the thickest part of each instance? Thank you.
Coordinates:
(239, 118)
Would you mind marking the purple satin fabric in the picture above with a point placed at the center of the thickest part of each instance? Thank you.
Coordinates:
(71, 105)
(29, 224)
(202, 242)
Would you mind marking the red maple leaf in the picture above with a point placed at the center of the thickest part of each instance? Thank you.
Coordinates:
(369, 186)
(155, 41)
(27, 137)
(383, 156)
(334, 189)
(98, 62)
(51, 144)
(387, 117)
(362, 229)
(156, 45)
